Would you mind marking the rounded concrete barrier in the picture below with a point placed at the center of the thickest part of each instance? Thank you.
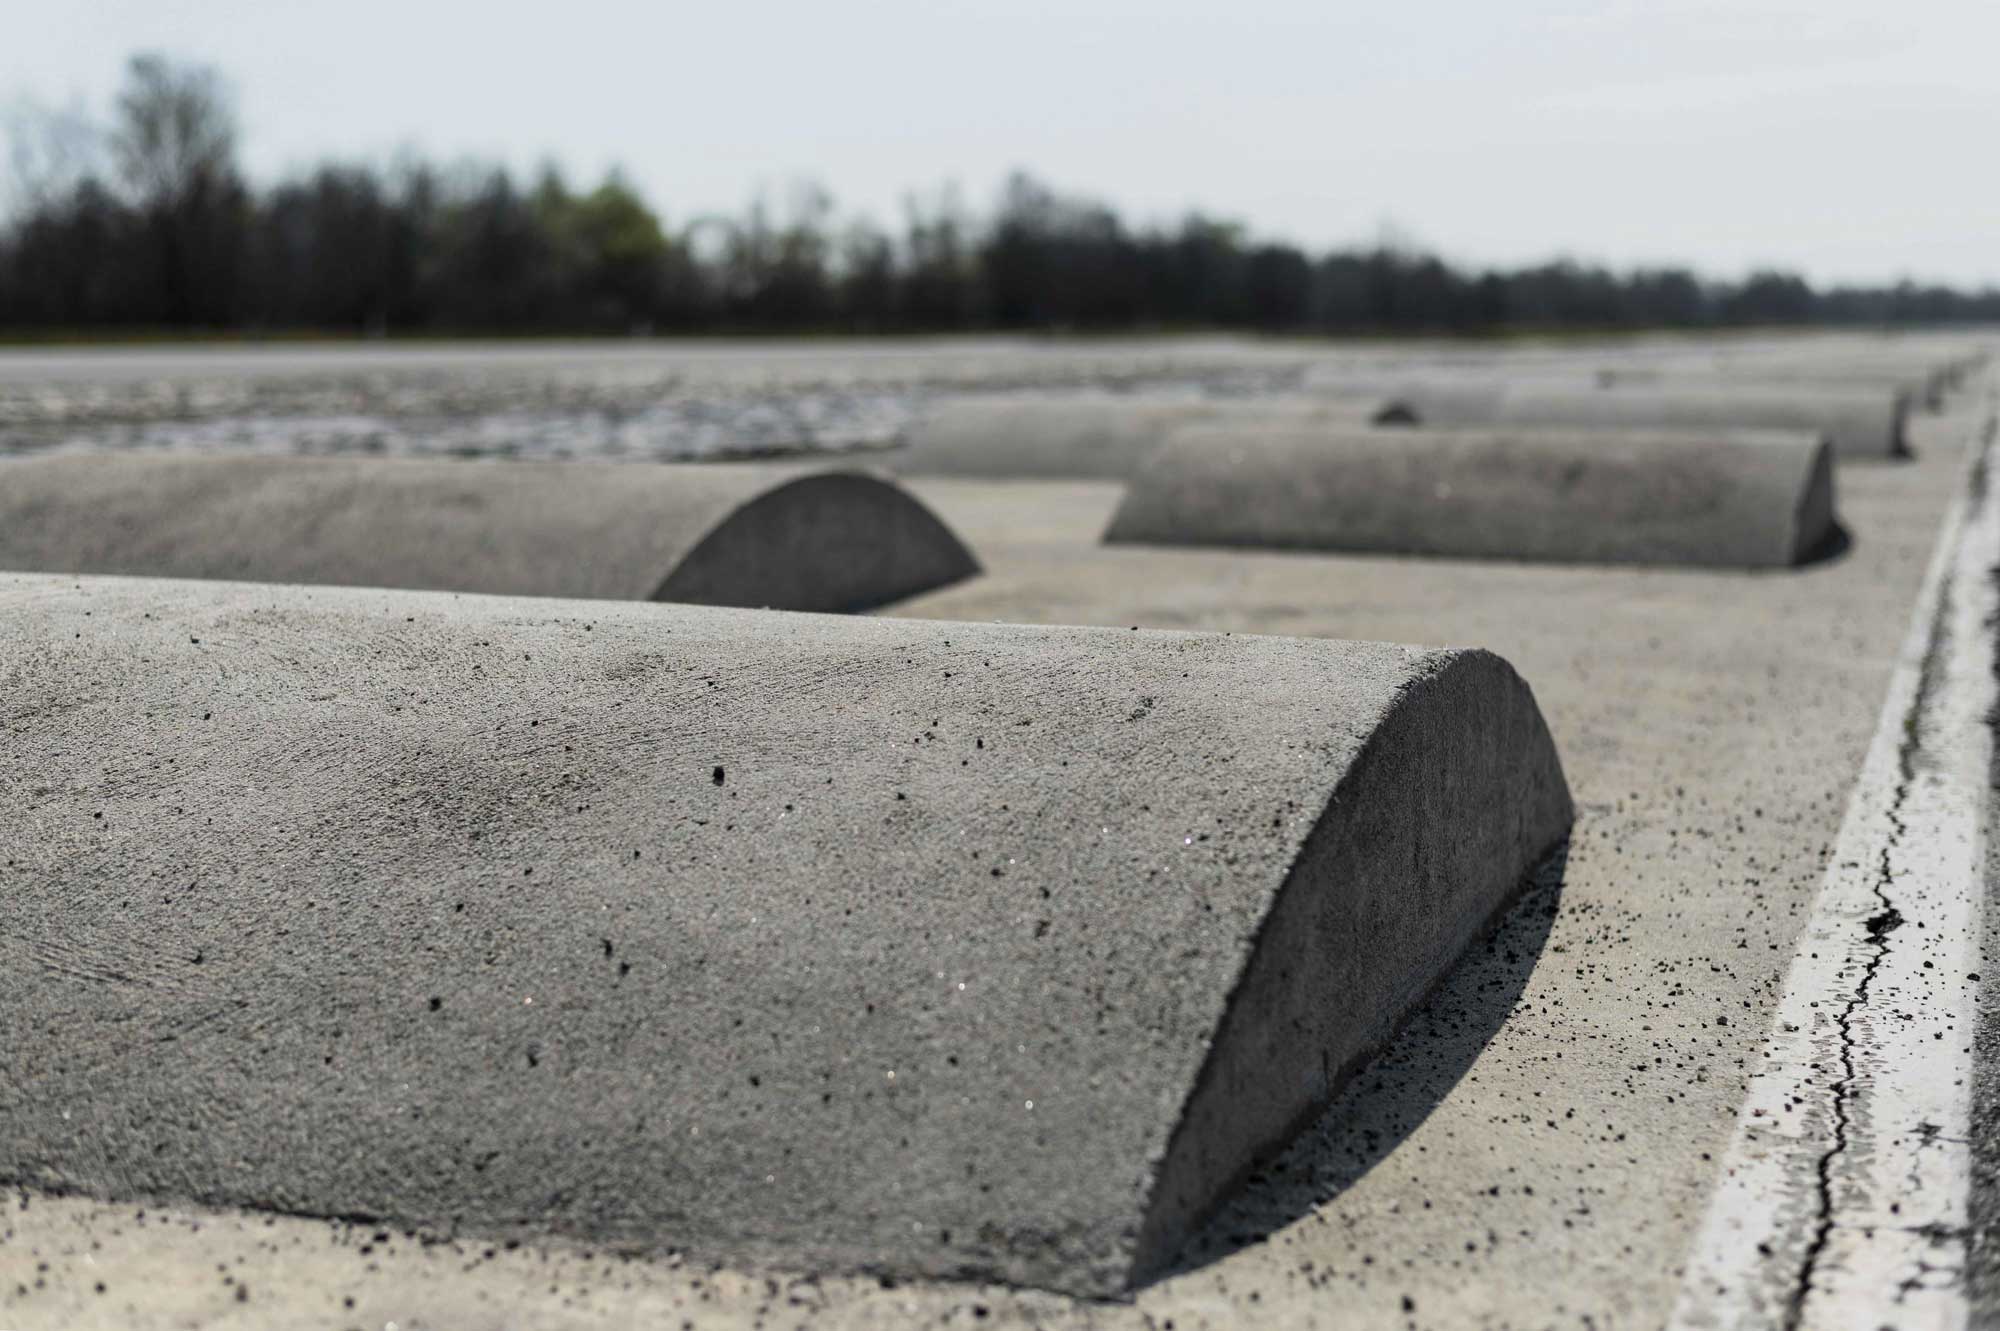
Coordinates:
(1925, 386)
(850, 943)
(1744, 500)
(1083, 438)
(791, 538)
(1858, 423)
(1926, 373)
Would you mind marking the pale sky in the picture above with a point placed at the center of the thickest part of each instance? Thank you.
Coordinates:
(1850, 139)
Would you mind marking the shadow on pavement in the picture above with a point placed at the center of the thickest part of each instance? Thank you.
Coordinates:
(1833, 546)
(1396, 1090)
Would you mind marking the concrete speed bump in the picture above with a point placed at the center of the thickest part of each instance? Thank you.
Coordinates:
(787, 537)
(854, 944)
(1076, 438)
(1748, 500)
(1922, 387)
(1924, 374)
(1859, 423)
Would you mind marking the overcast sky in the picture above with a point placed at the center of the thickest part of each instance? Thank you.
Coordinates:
(1852, 139)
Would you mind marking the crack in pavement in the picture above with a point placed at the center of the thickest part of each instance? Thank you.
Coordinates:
(1879, 926)
(1842, 1198)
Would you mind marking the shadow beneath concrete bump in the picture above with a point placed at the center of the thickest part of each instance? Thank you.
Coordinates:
(1834, 545)
(1394, 1092)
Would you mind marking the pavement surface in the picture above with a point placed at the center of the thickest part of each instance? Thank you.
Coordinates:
(1542, 1144)
(663, 400)
(1094, 436)
(1843, 1197)
(1983, 1238)
(638, 401)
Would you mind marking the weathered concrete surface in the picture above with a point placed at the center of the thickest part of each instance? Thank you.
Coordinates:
(1842, 1200)
(1538, 1146)
(966, 360)
(1858, 423)
(1747, 500)
(1101, 437)
(1982, 1273)
(668, 400)
(791, 538)
(863, 944)
(632, 399)
(1531, 1151)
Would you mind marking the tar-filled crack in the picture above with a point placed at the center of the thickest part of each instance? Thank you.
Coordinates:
(1880, 925)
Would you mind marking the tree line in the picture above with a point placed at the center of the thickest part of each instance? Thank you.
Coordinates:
(149, 223)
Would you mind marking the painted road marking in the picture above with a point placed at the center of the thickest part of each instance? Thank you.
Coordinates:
(1843, 1198)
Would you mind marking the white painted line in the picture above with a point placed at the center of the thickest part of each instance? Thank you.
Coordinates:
(1843, 1198)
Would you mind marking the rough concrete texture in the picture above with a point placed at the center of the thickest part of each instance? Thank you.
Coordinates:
(665, 400)
(1535, 1149)
(1982, 1273)
(966, 361)
(633, 399)
(935, 949)
(1101, 437)
(1858, 423)
(794, 538)
(1747, 500)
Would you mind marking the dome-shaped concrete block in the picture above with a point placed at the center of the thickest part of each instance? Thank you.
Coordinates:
(1924, 388)
(1924, 374)
(830, 540)
(845, 943)
(1084, 438)
(786, 537)
(1858, 423)
(1748, 500)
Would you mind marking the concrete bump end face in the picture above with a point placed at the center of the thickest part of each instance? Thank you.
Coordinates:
(933, 949)
(829, 541)
(1452, 803)
(1904, 405)
(1816, 528)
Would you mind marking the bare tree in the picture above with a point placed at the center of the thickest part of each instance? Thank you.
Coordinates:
(175, 135)
(174, 141)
